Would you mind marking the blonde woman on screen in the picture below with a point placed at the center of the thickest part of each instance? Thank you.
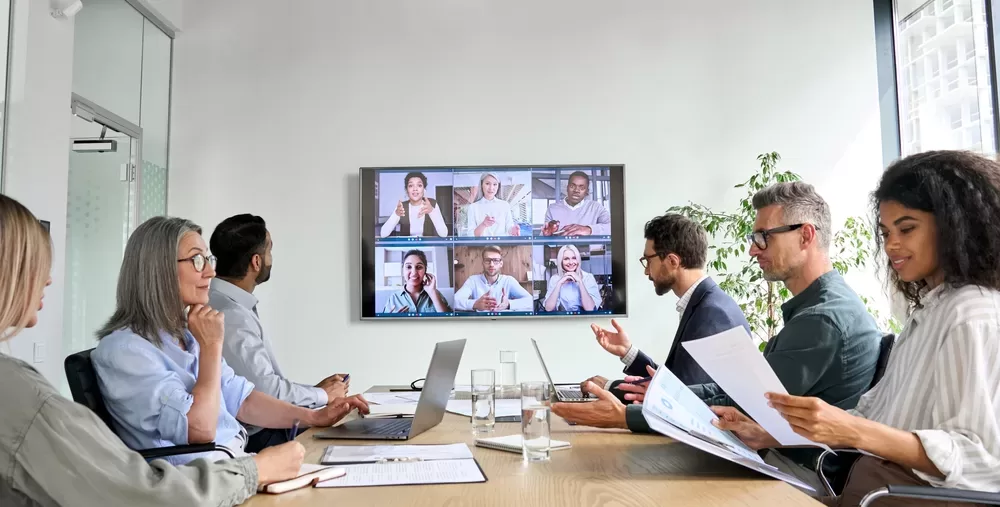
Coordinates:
(573, 289)
(57, 452)
(490, 215)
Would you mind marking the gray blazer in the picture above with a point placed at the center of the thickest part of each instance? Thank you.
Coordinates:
(57, 452)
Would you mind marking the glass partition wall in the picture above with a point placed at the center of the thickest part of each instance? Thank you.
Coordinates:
(118, 162)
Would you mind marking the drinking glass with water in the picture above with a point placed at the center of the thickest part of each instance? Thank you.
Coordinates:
(483, 401)
(536, 440)
(508, 371)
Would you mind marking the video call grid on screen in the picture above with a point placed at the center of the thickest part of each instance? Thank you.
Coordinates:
(554, 234)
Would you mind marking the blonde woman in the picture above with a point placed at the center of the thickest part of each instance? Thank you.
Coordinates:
(490, 215)
(56, 452)
(573, 289)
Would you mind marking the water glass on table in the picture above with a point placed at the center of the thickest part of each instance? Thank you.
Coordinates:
(508, 372)
(536, 438)
(483, 401)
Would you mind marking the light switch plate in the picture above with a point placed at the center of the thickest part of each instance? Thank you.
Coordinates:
(39, 356)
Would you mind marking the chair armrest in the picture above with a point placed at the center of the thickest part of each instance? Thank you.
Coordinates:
(819, 468)
(176, 450)
(932, 493)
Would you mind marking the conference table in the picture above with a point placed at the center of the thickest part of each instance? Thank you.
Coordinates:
(602, 468)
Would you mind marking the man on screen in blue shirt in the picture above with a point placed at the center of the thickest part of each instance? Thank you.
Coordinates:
(492, 291)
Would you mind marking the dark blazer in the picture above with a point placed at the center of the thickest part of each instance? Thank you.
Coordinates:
(710, 311)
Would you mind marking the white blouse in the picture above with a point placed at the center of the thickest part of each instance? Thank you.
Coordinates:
(943, 384)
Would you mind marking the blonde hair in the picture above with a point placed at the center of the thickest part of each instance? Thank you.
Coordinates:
(25, 260)
(562, 252)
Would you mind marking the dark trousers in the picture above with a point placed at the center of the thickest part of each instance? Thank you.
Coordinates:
(870, 473)
(268, 437)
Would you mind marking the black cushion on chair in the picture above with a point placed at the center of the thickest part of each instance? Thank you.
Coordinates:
(83, 384)
(884, 349)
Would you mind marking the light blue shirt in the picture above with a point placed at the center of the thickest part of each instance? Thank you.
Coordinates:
(569, 293)
(401, 299)
(476, 285)
(148, 392)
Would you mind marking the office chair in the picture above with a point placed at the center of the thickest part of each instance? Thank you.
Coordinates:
(915, 492)
(83, 384)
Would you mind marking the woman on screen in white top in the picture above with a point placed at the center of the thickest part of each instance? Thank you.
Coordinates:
(411, 216)
(490, 215)
(419, 294)
(573, 289)
(934, 417)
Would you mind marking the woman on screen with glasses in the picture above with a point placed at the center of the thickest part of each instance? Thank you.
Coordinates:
(419, 215)
(572, 289)
(490, 215)
(159, 360)
(934, 417)
(419, 294)
(57, 452)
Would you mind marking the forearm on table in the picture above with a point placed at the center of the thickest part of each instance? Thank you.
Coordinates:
(265, 411)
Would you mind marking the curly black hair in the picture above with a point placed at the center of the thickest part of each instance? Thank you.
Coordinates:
(962, 191)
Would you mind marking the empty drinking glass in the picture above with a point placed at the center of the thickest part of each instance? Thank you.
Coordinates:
(536, 440)
(483, 401)
(508, 371)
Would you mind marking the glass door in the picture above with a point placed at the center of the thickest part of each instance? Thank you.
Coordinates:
(101, 213)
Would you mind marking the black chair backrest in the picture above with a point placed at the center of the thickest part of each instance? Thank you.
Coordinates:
(884, 349)
(83, 384)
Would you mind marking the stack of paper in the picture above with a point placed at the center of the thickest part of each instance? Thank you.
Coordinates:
(503, 408)
(341, 454)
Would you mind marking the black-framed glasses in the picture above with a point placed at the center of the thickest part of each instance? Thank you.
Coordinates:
(644, 260)
(759, 238)
(200, 260)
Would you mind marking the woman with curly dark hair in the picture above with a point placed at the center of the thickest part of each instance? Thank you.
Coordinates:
(934, 418)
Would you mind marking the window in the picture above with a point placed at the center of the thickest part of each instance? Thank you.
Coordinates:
(5, 13)
(950, 39)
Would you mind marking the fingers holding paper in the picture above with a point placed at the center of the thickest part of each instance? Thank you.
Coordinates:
(606, 412)
(816, 420)
(751, 433)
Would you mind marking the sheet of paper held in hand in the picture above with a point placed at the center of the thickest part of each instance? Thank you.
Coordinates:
(671, 409)
(733, 362)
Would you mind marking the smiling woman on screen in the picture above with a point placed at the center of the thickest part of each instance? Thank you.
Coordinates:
(419, 215)
(490, 215)
(572, 289)
(420, 293)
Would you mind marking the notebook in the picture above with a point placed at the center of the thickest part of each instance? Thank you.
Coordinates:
(512, 443)
(309, 475)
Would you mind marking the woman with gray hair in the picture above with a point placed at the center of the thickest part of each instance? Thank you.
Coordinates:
(56, 452)
(572, 289)
(159, 361)
(489, 215)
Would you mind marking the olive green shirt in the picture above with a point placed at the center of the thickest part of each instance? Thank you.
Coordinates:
(57, 452)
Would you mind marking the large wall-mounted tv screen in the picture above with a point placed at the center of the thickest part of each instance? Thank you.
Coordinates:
(493, 241)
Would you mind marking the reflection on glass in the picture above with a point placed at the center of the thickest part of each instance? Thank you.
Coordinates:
(944, 76)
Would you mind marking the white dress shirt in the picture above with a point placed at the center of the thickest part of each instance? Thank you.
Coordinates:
(416, 222)
(942, 383)
(476, 286)
(249, 352)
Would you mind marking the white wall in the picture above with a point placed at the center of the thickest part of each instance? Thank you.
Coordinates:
(276, 109)
(38, 156)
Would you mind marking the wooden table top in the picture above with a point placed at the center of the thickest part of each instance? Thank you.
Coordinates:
(602, 468)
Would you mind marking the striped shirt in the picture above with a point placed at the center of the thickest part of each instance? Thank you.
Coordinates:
(943, 384)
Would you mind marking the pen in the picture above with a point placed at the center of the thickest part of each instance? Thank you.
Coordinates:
(295, 431)
(346, 377)
(643, 380)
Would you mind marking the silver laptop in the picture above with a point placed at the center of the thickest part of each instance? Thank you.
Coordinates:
(430, 408)
(566, 392)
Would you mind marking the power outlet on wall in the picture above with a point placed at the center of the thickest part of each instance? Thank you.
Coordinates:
(39, 355)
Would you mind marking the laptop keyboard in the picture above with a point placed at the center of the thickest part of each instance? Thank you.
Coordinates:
(390, 428)
(572, 394)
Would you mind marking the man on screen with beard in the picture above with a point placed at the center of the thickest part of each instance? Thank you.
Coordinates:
(492, 291)
(242, 244)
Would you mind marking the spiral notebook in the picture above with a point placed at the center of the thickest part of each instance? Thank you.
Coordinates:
(512, 443)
